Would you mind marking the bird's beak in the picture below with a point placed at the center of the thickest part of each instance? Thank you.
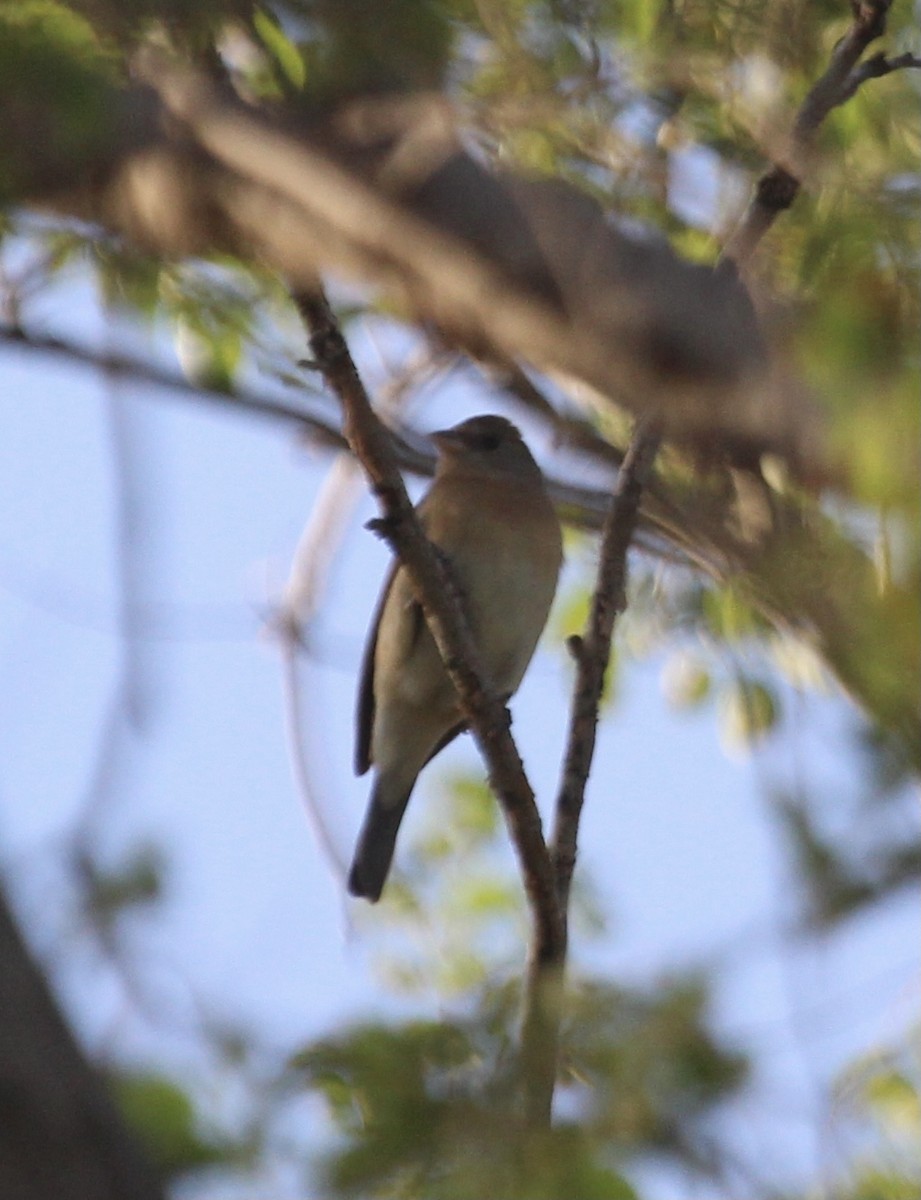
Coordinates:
(447, 441)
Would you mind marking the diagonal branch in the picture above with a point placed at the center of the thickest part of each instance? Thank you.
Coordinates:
(305, 593)
(778, 187)
(580, 506)
(438, 594)
(116, 364)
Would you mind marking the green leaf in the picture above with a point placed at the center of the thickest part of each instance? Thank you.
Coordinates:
(209, 357)
(286, 53)
(474, 807)
(56, 87)
(571, 614)
(747, 712)
(136, 881)
(487, 897)
(163, 1117)
(728, 615)
(128, 281)
(686, 680)
(894, 1099)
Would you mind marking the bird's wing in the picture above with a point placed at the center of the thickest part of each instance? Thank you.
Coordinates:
(364, 713)
(364, 709)
(460, 727)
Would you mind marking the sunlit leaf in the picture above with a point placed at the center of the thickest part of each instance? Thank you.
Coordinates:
(747, 712)
(285, 51)
(686, 680)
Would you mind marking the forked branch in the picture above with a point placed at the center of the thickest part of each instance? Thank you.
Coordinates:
(779, 186)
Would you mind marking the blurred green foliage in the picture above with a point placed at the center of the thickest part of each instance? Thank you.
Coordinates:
(431, 1109)
(56, 76)
(163, 1116)
(881, 1094)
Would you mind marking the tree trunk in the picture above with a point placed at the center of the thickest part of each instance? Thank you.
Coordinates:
(61, 1136)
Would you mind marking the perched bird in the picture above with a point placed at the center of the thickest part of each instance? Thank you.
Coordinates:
(490, 515)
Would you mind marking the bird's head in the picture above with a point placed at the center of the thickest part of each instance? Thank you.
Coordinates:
(490, 444)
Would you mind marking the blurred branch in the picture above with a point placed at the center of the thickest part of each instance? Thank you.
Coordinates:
(437, 593)
(131, 514)
(60, 1133)
(384, 192)
(406, 221)
(117, 365)
(686, 523)
(296, 725)
(778, 187)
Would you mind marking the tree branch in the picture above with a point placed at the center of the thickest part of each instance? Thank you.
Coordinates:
(544, 984)
(592, 651)
(778, 187)
(440, 599)
(874, 68)
(684, 525)
(60, 1132)
(117, 365)
(304, 596)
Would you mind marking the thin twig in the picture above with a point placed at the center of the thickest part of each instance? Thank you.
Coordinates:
(778, 187)
(875, 68)
(543, 986)
(440, 599)
(118, 365)
(303, 760)
(592, 651)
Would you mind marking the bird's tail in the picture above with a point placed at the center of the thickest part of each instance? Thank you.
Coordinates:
(376, 842)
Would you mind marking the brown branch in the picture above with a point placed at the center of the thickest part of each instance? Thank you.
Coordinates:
(117, 365)
(875, 68)
(544, 985)
(293, 627)
(304, 596)
(440, 599)
(592, 651)
(778, 187)
(687, 524)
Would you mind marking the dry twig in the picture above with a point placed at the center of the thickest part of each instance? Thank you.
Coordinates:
(543, 996)
(592, 651)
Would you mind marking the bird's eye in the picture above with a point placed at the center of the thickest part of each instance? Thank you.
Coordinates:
(488, 441)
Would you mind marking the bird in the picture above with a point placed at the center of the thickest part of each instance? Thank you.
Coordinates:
(489, 514)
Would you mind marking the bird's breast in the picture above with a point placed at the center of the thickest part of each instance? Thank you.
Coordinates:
(506, 552)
